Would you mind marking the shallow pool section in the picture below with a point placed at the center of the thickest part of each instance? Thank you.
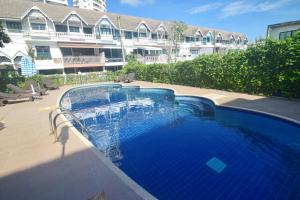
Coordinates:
(179, 147)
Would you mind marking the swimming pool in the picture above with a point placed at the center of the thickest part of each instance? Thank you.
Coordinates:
(181, 147)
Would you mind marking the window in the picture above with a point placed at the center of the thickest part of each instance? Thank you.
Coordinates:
(43, 53)
(87, 30)
(142, 35)
(38, 26)
(154, 36)
(116, 34)
(206, 40)
(61, 28)
(105, 27)
(74, 29)
(219, 39)
(14, 27)
(135, 35)
(143, 31)
(128, 35)
(189, 39)
(287, 34)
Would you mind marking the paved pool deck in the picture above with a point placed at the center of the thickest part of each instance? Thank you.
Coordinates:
(33, 167)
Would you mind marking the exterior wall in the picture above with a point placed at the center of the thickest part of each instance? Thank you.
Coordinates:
(98, 5)
(55, 62)
(274, 32)
(147, 50)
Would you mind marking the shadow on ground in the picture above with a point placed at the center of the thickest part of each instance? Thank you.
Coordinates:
(81, 175)
(269, 104)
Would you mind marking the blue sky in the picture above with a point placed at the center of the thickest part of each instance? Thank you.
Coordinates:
(249, 17)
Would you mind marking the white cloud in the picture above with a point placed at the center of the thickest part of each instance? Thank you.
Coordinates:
(136, 2)
(205, 8)
(242, 7)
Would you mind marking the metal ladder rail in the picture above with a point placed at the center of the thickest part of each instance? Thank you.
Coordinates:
(53, 122)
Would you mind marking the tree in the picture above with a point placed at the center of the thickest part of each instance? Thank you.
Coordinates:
(3, 37)
(176, 36)
(31, 53)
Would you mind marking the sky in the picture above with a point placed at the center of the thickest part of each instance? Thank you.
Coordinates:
(250, 17)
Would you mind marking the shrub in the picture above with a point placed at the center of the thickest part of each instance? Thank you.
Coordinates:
(266, 67)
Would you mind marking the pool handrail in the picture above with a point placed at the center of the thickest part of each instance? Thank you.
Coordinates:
(53, 121)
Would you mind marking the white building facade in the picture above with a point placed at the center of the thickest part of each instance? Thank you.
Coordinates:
(70, 39)
(283, 30)
(97, 5)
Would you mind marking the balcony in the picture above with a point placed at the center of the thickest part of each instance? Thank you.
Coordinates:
(83, 61)
(152, 59)
(74, 36)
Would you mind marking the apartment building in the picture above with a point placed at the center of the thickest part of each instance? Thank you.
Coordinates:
(283, 30)
(97, 5)
(71, 39)
(55, 2)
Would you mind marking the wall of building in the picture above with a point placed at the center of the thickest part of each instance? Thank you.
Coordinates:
(275, 31)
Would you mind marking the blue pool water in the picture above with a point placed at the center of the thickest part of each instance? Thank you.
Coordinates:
(179, 147)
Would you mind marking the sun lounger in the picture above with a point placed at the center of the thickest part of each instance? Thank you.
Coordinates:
(36, 87)
(47, 83)
(17, 90)
(130, 78)
(4, 97)
(120, 78)
(2, 126)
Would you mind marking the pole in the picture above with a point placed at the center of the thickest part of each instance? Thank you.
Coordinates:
(121, 40)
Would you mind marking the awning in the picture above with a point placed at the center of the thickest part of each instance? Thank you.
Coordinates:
(78, 45)
(149, 48)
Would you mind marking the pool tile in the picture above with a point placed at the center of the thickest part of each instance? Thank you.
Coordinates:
(216, 164)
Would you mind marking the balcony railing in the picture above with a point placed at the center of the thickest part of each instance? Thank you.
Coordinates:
(152, 59)
(83, 59)
(111, 60)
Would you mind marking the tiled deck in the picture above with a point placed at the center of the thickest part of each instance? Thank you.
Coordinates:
(32, 167)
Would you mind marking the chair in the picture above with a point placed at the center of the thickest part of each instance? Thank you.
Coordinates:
(4, 97)
(36, 87)
(15, 89)
(47, 83)
(120, 78)
(130, 78)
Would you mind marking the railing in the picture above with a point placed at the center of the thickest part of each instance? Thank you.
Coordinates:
(53, 122)
(110, 60)
(152, 59)
(83, 59)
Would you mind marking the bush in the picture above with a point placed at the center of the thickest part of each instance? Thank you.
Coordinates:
(11, 76)
(266, 67)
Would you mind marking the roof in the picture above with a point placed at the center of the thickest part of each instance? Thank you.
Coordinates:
(284, 24)
(16, 9)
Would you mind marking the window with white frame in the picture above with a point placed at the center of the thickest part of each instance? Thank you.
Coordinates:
(143, 31)
(87, 30)
(161, 33)
(38, 26)
(61, 28)
(219, 39)
(128, 35)
(105, 27)
(74, 29)
(43, 53)
(198, 37)
(15, 27)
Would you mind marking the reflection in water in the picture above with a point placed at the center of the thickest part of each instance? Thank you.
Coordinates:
(104, 110)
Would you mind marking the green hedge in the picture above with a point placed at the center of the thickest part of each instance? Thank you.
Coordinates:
(268, 67)
(11, 76)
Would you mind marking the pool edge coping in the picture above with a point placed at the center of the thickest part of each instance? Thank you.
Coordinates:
(138, 189)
